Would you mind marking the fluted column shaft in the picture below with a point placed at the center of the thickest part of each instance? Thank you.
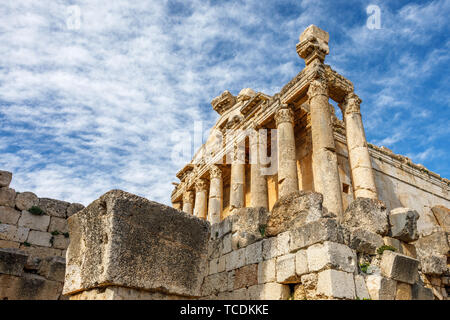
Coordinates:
(258, 183)
(237, 195)
(215, 206)
(325, 166)
(200, 199)
(287, 163)
(358, 152)
(188, 202)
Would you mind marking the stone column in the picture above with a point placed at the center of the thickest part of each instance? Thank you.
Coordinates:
(188, 202)
(258, 183)
(325, 166)
(358, 152)
(215, 195)
(201, 199)
(287, 164)
(237, 196)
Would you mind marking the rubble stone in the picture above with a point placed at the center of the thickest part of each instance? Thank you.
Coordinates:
(12, 261)
(365, 241)
(331, 255)
(367, 214)
(55, 208)
(381, 288)
(336, 284)
(7, 197)
(403, 223)
(399, 267)
(5, 178)
(315, 232)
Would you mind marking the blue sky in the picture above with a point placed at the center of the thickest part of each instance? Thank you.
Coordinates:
(100, 107)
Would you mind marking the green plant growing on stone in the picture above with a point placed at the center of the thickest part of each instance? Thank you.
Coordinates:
(381, 249)
(55, 233)
(51, 240)
(364, 266)
(66, 234)
(26, 244)
(262, 230)
(36, 211)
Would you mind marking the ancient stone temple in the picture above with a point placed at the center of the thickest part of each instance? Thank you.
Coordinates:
(283, 201)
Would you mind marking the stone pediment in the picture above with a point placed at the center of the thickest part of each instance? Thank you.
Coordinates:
(224, 102)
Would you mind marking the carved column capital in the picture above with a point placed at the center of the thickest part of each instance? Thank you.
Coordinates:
(351, 104)
(215, 172)
(284, 114)
(188, 197)
(317, 87)
(201, 185)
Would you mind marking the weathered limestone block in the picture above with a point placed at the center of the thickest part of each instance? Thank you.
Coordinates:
(12, 261)
(293, 211)
(286, 269)
(28, 287)
(276, 246)
(125, 240)
(34, 222)
(40, 238)
(5, 178)
(408, 250)
(58, 224)
(55, 208)
(436, 243)
(419, 292)
(365, 241)
(252, 221)
(246, 276)
(301, 262)
(336, 284)
(331, 255)
(433, 264)
(403, 292)
(227, 244)
(9, 215)
(442, 215)
(381, 288)
(61, 242)
(299, 292)
(309, 282)
(224, 227)
(235, 259)
(214, 284)
(74, 208)
(53, 268)
(315, 232)
(9, 244)
(399, 267)
(361, 288)
(403, 223)
(36, 254)
(12, 233)
(397, 244)
(267, 271)
(269, 291)
(367, 214)
(26, 200)
(253, 253)
(7, 197)
(242, 239)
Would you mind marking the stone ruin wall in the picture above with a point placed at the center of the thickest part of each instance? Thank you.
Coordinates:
(32, 247)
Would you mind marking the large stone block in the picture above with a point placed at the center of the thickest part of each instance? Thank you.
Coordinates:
(53, 268)
(267, 271)
(58, 224)
(39, 238)
(9, 215)
(403, 223)
(361, 288)
(269, 291)
(12, 261)
(403, 291)
(26, 200)
(60, 242)
(5, 178)
(250, 221)
(436, 243)
(315, 232)
(214, 284)
(246, 276)
(55, 208)
(286, 269)
(442, 215)
(367, 214)
(301, 262)
(419, 292)
(125, 240)
(293, 211)
(13, 233)
(399, 267)
(29, 287)
(381, 288)
(74, 208)
(7, 197)
(331, 255)
(235, 259)
(34, 222)
(365, 241)
(433, 264)
(253, 253)
(336, 284)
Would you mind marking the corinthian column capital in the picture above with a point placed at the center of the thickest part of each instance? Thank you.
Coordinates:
(200, 185)
(284, 114)
(317, 87)
(351, 104)
(215, 172)
(188, 197)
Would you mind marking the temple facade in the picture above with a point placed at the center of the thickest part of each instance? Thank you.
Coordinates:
(264, 147)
